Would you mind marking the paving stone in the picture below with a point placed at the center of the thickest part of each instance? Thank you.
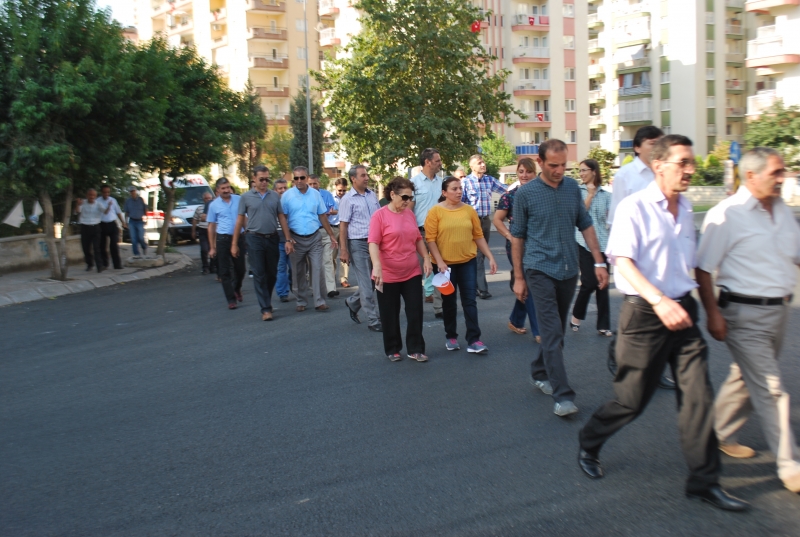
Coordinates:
(54, 289)
(79, 286)
(24, 295)
(103, 282)
(122, 278)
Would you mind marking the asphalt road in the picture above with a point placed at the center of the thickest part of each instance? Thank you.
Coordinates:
(150, 409)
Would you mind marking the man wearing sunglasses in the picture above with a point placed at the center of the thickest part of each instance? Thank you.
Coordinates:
(306, 213)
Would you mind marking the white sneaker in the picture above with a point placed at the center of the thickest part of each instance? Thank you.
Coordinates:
(565, 409)
(543, 385)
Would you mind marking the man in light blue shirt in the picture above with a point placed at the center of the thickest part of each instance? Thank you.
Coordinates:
(327, 250)
(221, 218)
(427, 190)
(306, 213)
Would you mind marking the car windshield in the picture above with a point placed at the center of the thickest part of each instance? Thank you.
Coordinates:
(191, 196)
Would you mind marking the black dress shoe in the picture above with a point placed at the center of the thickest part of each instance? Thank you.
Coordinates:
(376, 327)
(719, 498)
(439, 315)
(353, 315)
(666, 383)
(590, 465)
(332, 294)
(484, 295)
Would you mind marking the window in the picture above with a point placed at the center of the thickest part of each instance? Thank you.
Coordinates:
(711, 102)
(275, 109)
(275, 81)
(569, 41)
(569, 105)
(544, 9)
(665, 77)
(664, 105)
(709, 17)
(300, 25)
(525, 137)
(569, 10)
(302, 53)
(525, 74)
(594, 135)
(666, 129)
(709, 45)
(710, 73)
(569, 73)
(572, 137)
(711, 130)
(544, 74)
(525, 105)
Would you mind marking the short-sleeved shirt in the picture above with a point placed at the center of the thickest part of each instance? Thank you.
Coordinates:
(478, 192)
(356, 210)
(91, 214)
(427, 192)
(629, 179)
(333, 219)
(598, 210)
(661, 246)
(224, 214)
(262, 212)
(754, 253)
(330, 203)
(506, 203)
(303, 210)
(546, 218)
(397, 235)
(111, 215)
(454, 232)
(135, 209)
(199, 212)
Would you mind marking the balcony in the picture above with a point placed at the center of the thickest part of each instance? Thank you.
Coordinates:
(596, 71)
(219, 42)
(768, 50)
(734, 85)
(279, 118)
(734, 5)
(530, 23)
(277, 61)
(594, 20)
(532, 86)
(327, 38)
(734, 111)
(327, 9)
(267, 34)
(761, 101)
(219, 15)
(643, 89)
(526, 150)
(536, 119)
(272, 6)
(734, 29)
(183, 26)
(637, 111)
(593, 144)
(596, 96)
(593, 46)
(734, 57)
(272, 91)
(638, 63)
(596, 121)
(624, 9)
(763, 6)
(531, 55)
(626, 145)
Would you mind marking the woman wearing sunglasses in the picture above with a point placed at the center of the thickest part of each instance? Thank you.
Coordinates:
(394, 242)
(454, 235)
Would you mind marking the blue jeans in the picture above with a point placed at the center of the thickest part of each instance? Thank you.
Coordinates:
(463, 276)
(136, 230)
(521, 309)
(282, 285)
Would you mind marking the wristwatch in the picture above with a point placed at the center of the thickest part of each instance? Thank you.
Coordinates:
(657, 301)
(599, 265)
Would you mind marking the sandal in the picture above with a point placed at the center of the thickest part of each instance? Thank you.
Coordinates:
(574, 326)
(605, 333)
(538, 339)
(516, 330)
(418, 356)
(396, 357)
(345, 285)
(300, 308)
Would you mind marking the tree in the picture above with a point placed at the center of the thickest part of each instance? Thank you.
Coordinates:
(605, 159)
(721, 151)
(298, 151)
(70, 112)
(275, 151)
(414, 77)
(249, 131)
(779, 128)
(497, 152)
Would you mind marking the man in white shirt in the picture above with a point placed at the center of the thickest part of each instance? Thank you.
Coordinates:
(89, 217)
(752, 241)
(636, 175)
(652, 244)
(109, 232)
(427, 190)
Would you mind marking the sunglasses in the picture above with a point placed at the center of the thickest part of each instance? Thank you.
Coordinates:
(263, 180)
(300, 178)
(406, 197)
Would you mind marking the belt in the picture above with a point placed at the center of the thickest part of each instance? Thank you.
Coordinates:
(365, 238)
(754, 300)
(135, 219)
(264, 235)
(636, 299)
(334, 225)
(304, 236)
(91, 225)
(224, 235)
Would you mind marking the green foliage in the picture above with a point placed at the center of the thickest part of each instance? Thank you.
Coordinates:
(497, 152)
(708, 171)
(298, 152)
(249, 131)
(414, 77)
(275, 154)
(605, 159)
(721, 151)
(779, 128)
(626, 160)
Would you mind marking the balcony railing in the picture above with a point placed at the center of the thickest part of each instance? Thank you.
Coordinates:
(766, 31)
(277, 61)
(734, 111)
(532, 84)
(626, 144)
(531, 52)
(266, 5)
(181, 26)
(328, 36)
(596, 70)
(734, 29)
(643, 89)
(219, 14)
(278, 34)
(537, 116)
(638, 110)
(219, 42)
(593, 18)
(764, 47)
(593, 45)
(531, 20)
(736, 4)
(272, 91)
(596, 95)
(737, 57)
(761, 101)
(596, 121)
(734, 84)
(327, 8)
(620, 9)
(631, 64)
(279, 116)
(527, 149)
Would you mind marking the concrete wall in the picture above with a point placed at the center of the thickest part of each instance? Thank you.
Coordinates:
(706, 195)
(30, 253)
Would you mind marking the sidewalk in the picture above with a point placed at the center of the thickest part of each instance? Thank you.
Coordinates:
(21, 287)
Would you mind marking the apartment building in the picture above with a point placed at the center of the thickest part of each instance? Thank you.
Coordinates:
(774, 54)
(261, 41)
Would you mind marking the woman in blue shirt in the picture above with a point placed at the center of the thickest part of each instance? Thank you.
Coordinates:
(598, 203)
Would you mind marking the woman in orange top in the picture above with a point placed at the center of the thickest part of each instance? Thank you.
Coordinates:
(453, 232)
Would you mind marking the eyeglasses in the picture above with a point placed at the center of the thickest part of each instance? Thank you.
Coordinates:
(300, 178)
(406, 197)
(263, 179)
(584, 170)
(683, 164)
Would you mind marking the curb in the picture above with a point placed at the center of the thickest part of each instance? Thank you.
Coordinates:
(40, 291)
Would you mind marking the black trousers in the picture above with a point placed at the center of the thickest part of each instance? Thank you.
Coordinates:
(589, 285)
(644, 346)
(202, 237)
(90, 242)
(231, 269)
(110, 232)
(389, 307)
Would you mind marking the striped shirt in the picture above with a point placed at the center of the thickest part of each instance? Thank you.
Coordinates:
(598, 210)
(478, 192)
(546, 218)
(356, 210)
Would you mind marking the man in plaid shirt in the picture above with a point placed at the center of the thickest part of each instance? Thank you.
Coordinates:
(478, 188)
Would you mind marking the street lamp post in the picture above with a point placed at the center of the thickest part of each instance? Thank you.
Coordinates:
(308, 93)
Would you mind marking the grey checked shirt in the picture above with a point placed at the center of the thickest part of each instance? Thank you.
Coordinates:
(546, 218)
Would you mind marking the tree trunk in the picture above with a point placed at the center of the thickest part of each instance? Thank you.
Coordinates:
(170, 193)
(62, 254)
(50, 235)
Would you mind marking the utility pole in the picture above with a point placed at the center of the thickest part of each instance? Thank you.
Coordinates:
(308, 93)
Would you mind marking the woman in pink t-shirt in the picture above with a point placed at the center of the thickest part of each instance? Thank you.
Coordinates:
(394, 242)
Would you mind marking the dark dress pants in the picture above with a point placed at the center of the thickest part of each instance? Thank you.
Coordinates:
(90, 242)
(110, 232)
(480, 268)
(552, 299)
(231, 269)
(202, 237)
(263, 255)
(389, 307)
(589, 285)
(644, 346)
(462, 276)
